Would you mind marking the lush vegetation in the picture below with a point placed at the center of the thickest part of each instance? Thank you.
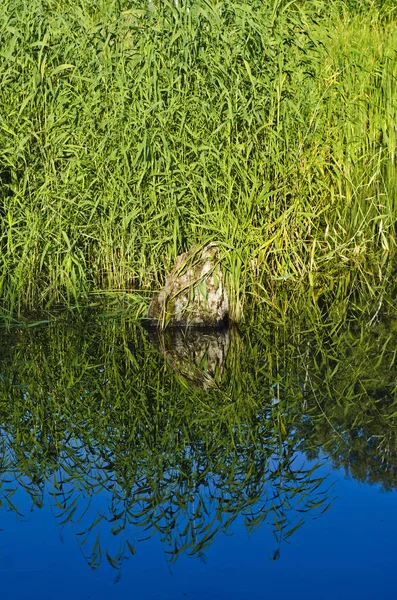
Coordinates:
(90, 409)
(131, 129)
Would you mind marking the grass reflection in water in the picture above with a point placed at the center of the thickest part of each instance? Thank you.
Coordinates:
(95, 422)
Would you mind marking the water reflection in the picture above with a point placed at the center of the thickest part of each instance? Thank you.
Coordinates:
(95, 422)
(196, 354)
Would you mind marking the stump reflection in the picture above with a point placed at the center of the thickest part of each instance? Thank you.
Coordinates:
(196, 354)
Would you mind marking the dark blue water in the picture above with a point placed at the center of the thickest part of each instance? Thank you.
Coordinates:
(179, 469)
(348, 552)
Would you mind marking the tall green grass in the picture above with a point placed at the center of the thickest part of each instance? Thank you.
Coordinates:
(130, 130)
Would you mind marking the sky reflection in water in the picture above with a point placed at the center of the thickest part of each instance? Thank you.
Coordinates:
(349, 553)
(94, 424)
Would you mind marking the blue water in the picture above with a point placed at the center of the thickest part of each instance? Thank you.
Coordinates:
(121, 479)
(348, 552)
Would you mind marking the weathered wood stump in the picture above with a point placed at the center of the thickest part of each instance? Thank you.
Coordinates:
(194, 294)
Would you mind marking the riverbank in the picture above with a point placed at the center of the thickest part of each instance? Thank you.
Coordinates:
(128, 134)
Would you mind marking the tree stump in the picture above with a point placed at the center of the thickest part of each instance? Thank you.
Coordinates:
(194, 294)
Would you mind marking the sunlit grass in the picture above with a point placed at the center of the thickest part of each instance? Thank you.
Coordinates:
(131, 130)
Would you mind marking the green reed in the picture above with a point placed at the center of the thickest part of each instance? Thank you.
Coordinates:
(130, 130)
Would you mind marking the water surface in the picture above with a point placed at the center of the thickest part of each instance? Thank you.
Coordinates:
(246, 464)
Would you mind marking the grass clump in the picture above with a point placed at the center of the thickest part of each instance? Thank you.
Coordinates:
(130, 130)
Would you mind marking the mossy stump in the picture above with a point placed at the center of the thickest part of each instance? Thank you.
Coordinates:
(194, 294)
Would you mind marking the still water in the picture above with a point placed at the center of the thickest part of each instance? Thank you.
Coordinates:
(244, 464)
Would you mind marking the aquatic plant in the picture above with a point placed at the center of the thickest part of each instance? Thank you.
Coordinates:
(130, 130)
